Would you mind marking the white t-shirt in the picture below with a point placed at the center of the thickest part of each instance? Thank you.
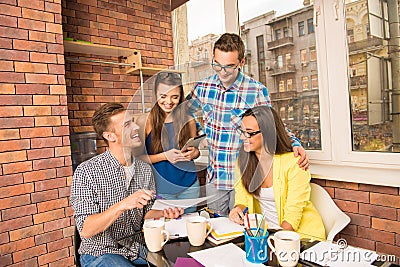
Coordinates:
(129, 170)
(268, 207)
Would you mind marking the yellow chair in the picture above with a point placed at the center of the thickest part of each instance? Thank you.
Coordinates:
(334, 219)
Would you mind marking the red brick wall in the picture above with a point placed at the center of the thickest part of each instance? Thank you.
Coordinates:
(144, 26)
(374, 212)
(35, 162)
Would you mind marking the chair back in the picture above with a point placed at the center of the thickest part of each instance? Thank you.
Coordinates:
(77, 243)
(334, 219)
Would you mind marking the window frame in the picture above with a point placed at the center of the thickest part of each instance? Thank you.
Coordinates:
(336, 160)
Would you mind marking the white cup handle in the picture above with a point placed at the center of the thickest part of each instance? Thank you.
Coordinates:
(270, 244)
(166, 236)
(209, 231)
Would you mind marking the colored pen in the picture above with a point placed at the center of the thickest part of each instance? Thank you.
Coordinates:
(248, 221)
(158, 197)
(259, 225)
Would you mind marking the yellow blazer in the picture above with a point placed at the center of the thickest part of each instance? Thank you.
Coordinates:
(291, 186)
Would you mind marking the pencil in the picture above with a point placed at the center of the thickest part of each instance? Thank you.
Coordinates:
(259, 225)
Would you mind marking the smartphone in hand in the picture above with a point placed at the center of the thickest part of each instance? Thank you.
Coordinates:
(194, 141)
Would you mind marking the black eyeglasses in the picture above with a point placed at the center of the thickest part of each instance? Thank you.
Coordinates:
(247, 134)
(228, 69)
(165, 74)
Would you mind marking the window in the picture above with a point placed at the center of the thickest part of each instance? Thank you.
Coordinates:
(282, 86)
(301, 28)
(304, 81)
(350, 35)
(310, 26)
(206, 54)
(261, 59)
(290, 113)
(278, 34)
(289, 83)
(285, 32)
(303, 56)
(356, 140)
(279, 62)
(282, 113)
(288, 59)
(314, 81)
(313, 54)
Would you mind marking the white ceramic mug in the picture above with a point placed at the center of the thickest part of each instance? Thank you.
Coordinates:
(155, 235)
(197, 230)
(286, 247)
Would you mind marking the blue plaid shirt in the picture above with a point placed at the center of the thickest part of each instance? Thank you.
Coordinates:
(221, 110)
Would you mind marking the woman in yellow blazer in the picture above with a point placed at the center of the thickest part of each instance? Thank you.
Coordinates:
(269, 180)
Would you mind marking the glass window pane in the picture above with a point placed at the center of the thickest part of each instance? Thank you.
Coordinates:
(372, 60)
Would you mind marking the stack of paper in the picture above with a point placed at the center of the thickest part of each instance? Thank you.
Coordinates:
(224, 230)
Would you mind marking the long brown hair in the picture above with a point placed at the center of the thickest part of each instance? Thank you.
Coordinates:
(159, 134)
(275, 141)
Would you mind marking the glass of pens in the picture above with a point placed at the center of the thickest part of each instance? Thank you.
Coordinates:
(255, 242)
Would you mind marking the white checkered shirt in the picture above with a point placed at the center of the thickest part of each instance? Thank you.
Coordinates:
(98, 183)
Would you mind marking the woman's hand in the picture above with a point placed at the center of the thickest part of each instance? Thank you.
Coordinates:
(174, 155)
(191, 153)
(173, 213)
(236, 215)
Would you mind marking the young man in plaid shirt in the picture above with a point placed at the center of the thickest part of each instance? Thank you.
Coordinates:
(112, 193)
(223, 97)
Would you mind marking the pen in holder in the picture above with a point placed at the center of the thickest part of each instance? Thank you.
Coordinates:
(256, 247)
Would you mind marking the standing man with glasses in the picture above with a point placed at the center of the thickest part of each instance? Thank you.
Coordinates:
(223, 98)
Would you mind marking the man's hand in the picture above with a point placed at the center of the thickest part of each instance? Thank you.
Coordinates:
(138, 199)
(303, 162)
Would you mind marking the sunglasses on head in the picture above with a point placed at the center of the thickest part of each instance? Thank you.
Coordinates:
(165, 75)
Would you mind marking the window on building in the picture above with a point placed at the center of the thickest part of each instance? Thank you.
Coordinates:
(288, 59)
(282, 113)
(313, 54)
(301, 28)
(290, 114)
(289, 84)
(314, 81)
(282, 86)
(304, 81)
(350, 35)
(303, 55)
(278, 34)
(279, 60)
(261, 59)
(206, 54)
(285, 32)
(310, 26)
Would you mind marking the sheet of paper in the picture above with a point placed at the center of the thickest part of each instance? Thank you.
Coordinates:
(227, 255)
(331, 254)
(161, 204)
